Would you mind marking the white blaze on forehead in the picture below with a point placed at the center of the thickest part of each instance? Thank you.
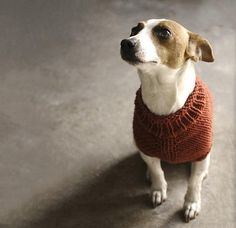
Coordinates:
(147, 50)
(153, 22)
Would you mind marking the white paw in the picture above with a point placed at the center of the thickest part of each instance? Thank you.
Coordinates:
(158, 197)
(191, 210)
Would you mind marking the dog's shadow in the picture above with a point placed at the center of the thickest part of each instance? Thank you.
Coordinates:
(116, 198)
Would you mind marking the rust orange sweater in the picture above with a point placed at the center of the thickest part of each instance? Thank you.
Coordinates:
(183, 136)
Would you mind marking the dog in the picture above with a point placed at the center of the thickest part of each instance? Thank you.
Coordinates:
(173, 107)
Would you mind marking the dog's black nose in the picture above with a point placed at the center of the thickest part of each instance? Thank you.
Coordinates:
(128, 44)
(128, 50)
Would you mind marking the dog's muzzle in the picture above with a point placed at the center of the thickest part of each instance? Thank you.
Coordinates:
(128, 51)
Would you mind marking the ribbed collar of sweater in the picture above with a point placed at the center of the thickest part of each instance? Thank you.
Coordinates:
(173, 124)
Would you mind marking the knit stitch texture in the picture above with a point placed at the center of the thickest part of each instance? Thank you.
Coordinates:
(183, 136)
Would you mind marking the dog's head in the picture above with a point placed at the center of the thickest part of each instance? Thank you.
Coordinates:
(164, 42)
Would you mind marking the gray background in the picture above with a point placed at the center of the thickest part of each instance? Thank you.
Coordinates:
(66, 103)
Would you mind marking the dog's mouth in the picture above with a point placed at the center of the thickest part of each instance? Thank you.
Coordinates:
(129, 52)
(133, 59)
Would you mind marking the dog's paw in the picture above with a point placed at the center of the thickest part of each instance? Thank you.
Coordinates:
(191, 210)
(158, 197)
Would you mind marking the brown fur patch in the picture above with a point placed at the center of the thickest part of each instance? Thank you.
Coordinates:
(181, 45)
(199, 48)
(135, 30)
(172, 50)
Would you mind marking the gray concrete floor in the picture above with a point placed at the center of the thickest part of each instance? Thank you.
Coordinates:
(66, 105)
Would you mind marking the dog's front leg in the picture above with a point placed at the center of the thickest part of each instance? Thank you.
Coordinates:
(192, 204)
(159, 185)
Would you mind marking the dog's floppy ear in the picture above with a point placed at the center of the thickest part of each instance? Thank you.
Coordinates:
(199, 48)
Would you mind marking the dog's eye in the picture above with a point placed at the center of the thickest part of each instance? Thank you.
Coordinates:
(135, 30)
(162, 33)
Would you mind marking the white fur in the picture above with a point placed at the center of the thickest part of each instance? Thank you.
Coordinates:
(164, 91)
(147, 51)
(192, 204)
(159, 185)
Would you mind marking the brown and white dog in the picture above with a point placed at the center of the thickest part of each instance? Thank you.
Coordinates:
(164, 53)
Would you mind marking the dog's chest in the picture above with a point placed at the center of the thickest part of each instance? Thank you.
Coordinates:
(183, 136)
(166, 91)
(161, 101)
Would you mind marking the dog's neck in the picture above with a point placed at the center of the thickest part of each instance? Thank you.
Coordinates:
(165, 90)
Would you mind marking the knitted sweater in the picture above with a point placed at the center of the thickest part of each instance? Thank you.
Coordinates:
(183, 136)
